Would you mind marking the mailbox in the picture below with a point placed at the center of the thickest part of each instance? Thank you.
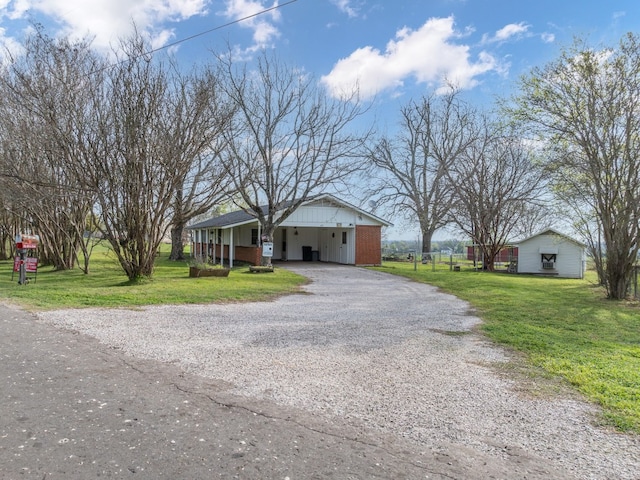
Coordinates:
(267, 249)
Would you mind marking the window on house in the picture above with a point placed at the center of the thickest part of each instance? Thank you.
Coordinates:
(344, 238)
(254, 236)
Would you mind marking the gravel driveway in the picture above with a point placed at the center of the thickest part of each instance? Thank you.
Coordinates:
(378, 350)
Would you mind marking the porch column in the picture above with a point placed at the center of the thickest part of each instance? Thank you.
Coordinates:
(222, 249)
(231, 248)
(215, 244)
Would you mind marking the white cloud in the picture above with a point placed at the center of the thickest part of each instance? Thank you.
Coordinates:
(618, 15)
(507, 32)
(548, 37)
(263, 26)
(8, 46)
(347, 7)
(427, 55)
(108, 20)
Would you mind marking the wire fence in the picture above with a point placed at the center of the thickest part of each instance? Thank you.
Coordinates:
(432, 259)
(440, 259)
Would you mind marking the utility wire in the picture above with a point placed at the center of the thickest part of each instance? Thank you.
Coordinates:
(219, 27)
(191, 37)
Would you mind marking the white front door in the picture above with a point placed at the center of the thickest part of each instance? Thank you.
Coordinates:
(344, 247)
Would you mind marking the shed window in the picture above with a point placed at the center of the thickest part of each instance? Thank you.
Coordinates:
(344, 238)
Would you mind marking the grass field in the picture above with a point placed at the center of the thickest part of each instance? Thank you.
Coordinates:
(564, 326)
(107, 286)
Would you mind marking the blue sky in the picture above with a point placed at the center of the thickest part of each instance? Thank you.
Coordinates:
(396, 49)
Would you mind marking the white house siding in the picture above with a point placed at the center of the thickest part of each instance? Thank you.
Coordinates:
(570, 256)
(311, 216)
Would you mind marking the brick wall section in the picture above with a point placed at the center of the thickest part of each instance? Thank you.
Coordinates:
(368, 244)
(252, 255)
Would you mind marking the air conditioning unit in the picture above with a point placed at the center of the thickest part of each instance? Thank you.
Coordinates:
(548, 265)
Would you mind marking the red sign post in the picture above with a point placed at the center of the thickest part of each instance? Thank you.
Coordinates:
(22, 263)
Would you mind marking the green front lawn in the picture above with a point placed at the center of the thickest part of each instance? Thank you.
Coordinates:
(107, 286)
(564, 326)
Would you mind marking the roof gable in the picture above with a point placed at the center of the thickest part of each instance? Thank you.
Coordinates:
(330, 200)
(241, 217)
(551, 232)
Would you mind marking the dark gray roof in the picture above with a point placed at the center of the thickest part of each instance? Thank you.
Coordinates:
(226, 220)
(238, 217)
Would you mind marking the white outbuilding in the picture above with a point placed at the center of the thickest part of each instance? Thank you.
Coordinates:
(552, 253)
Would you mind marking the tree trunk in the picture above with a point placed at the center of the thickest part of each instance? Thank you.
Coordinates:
(618, 276)
(177, 245)
(488, 255)
(426, 244)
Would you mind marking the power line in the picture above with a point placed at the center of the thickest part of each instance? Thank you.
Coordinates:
(191, 37)
(219, 27)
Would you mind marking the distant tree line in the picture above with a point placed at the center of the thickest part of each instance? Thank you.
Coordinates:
(130, 148)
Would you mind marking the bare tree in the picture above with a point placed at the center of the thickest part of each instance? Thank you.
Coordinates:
(44, 95)
(409, 172)
(498, 189)
(199, 112)
(128, 163)
(6, 233)
(586, 107)
(288, 139)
